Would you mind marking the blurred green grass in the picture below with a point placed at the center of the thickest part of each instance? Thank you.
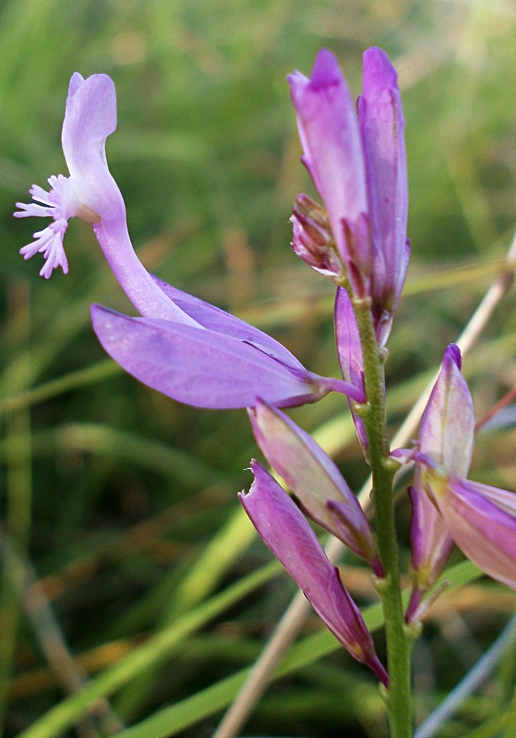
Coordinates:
(115, 492)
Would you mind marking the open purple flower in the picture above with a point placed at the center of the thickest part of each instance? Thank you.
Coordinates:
(358, 166)
(446, 437)
(448, 508)
(181, 346)
(291, 539)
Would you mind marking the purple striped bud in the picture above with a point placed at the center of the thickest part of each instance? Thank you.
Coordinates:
(314, 479)
(286, 532)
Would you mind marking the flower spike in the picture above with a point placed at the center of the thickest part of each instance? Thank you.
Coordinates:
(285, 531)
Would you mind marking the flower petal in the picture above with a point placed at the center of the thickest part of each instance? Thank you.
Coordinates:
(482, 522)
(381, 121)
(200, 367)
(431, 546)
(314, 479)
(90, 117)
(291, 539)
(217, 320)
(446, 433)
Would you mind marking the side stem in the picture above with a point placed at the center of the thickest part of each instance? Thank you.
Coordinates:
(398, 638)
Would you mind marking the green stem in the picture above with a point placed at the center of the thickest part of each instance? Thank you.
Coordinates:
(398, 638)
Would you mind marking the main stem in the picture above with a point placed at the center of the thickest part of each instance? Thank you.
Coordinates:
(398, 638)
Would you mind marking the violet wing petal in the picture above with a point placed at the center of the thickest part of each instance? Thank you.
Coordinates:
(217, 320)
(482, 522)
(285, 531)
(381, 121)
(313, 478)
(330, 138)
(349, 352)
(197, 366)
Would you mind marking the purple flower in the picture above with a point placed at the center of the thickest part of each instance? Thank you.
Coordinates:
(447, 507)
(446, 437)
(181, 346)
(290, 538)
(314, 479)
(359, 169)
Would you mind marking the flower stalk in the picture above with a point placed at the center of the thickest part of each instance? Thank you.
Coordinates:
(398, 637)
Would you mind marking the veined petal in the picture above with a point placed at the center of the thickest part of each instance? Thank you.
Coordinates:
(482, 522)
(330, 138)
(290, 538)
(446, 433)
(201, 367)
(314, 479)
(381, 121)
(219, 321)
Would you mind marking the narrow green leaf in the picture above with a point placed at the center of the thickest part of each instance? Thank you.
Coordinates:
(153, 652)
(172, 720)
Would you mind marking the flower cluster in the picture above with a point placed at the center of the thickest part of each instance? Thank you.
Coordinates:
(358, 167)
(201, 355)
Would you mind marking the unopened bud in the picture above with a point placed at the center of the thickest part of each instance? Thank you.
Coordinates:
(312, 238)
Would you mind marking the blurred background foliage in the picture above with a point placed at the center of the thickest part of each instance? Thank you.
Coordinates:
(121, 502)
